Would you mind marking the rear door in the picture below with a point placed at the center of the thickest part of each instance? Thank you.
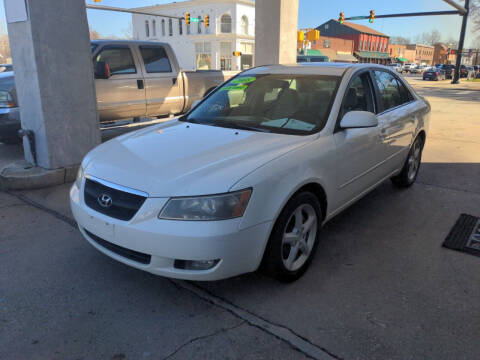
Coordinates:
(359, 153)
(122, 95)
(396, 117)
(162, 82)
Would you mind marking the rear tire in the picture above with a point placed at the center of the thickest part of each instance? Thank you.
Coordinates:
(294, 238)
(410, 169)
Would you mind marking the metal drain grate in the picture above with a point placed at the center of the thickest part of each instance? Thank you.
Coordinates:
(465, 235)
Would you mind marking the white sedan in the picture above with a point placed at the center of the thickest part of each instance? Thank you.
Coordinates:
(247, 178)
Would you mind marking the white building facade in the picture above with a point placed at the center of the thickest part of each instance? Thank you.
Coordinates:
(232, 29)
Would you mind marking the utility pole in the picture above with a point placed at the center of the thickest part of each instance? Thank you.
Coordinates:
(456, 76)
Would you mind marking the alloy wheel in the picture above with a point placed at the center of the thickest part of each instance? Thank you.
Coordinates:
(414, 159)
(299, 237)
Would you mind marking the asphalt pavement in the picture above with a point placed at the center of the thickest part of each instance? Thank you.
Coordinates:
(380, 287)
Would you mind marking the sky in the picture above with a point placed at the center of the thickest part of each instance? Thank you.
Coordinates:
(313, 13)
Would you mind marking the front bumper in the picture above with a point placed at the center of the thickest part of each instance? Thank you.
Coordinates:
(239, 251)
(9, 123)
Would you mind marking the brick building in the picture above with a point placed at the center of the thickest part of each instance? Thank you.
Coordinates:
(400, 53)
(369, 45)
(423, 53)
(335, 49)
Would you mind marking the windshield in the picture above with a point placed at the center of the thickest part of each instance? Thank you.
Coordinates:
(288, 104)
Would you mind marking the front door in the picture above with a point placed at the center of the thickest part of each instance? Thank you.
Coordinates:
(396, 118)
(163, 84)
(358, 151)
(122, 95)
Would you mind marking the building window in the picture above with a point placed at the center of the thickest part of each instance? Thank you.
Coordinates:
(203, 53)
(163, 27)
(154, 28)
(226, 56)
(170, 27)
(326, 43)
(245, 24)
(226, 24)
(147, 29)
(361, 45)
(188, 29)
(180, 27)
(199, 26)
(246, 60)
(326, 26)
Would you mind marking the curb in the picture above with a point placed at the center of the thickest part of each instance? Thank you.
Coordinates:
(21, 175)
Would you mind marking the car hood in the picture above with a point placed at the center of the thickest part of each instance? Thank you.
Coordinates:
(183, 159)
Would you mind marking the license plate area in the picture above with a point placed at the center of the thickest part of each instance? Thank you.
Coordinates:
(101, 228)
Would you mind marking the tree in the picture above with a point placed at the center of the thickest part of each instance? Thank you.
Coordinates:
(94, 35)
(429, 38)
(475, 16)
(400, 40)
(451, 42)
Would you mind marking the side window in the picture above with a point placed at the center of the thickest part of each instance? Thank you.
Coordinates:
(119, 60)
(155, 59)
(358, 96)
(392, 92)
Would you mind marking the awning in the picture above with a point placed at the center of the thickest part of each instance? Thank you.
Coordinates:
(372, 54)
(311, 52)
(346, 58)
(402, 59)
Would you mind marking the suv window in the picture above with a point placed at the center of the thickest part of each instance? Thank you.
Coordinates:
(358, 96)
(155, 59)
(118, 58)
(392, 92)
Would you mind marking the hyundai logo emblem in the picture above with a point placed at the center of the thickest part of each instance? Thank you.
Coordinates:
(105, 200)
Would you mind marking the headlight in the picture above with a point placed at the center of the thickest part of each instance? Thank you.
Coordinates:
(6, 99)
(78, 179)
(211, 207)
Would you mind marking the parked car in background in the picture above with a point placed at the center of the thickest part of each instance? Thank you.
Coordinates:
(9, 110)
(6, 67)
(463, 71)
(397, 67)
(476, 69)
(311, 58)
(138, 79)
(251, 173)
(434, 74)
(408, 67)
(418, 69)
(449, 70)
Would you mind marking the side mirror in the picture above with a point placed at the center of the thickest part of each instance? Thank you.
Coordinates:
(358, 119)
(102, 70)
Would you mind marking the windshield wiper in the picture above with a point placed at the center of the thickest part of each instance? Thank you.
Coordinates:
(237, 126)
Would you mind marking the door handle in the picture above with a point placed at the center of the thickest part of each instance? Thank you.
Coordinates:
(174, 80)
(140, 84)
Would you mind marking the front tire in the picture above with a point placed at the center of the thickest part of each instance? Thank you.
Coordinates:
(294, 238)
(410, 169)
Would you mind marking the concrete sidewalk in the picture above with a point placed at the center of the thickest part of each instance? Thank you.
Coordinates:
(380, 287)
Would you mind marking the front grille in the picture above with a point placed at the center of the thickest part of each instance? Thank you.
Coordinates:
(123, 206)
(127, 253)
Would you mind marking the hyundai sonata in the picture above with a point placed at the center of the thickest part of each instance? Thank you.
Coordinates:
(250, 174)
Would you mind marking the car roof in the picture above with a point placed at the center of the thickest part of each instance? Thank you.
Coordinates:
(311, 68)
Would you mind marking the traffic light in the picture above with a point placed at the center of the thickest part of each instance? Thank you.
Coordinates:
(206, 21)
(341, 19)
(313, 35)
(372, 16)
(237, 53)
(300, 36)
(187, 18)
(97, 0)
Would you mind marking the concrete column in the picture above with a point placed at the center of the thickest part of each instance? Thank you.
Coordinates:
(54, 79)
(276, 23)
